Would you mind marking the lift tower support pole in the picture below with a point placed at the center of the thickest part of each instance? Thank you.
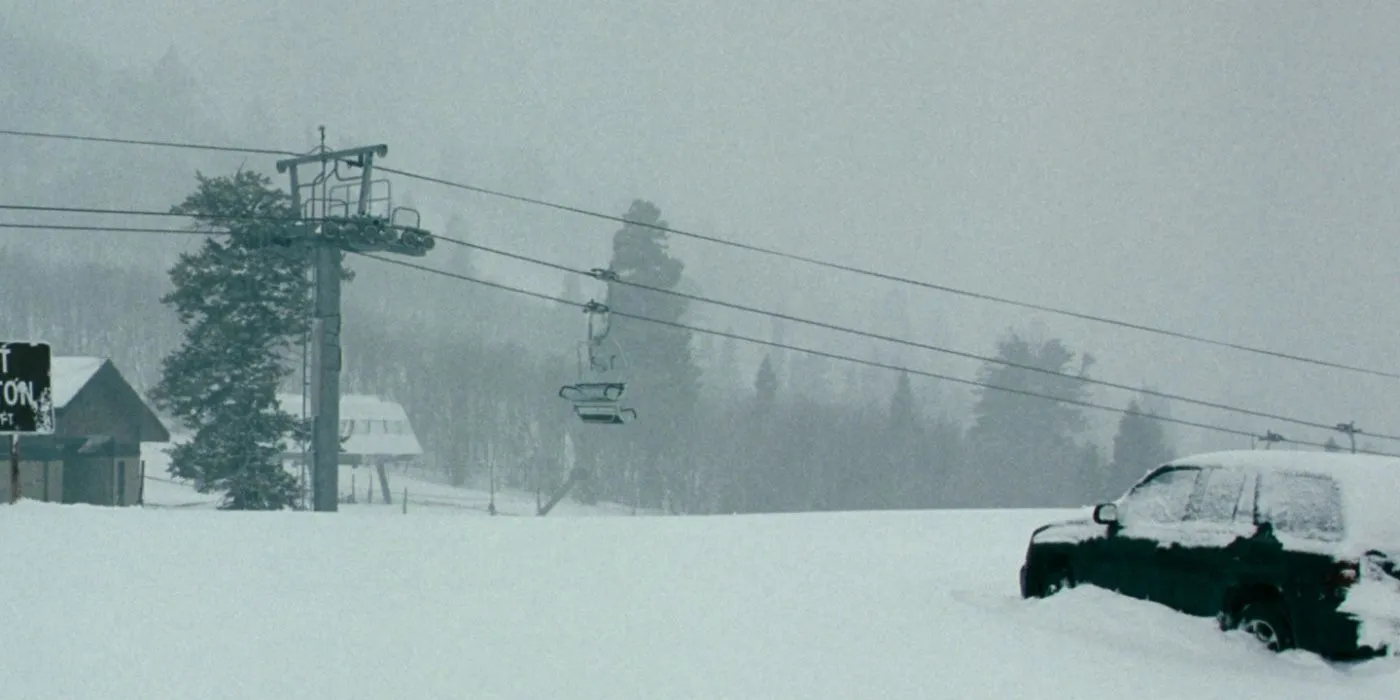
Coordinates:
(326, 356)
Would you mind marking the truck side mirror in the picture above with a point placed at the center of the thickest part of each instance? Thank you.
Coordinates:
(1106, 513)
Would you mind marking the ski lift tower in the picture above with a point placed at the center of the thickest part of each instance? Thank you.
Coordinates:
(329, 230)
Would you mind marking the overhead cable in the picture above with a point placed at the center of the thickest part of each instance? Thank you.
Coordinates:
(840, 357)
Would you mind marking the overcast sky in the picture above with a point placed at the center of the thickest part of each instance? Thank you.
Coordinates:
(1226, 169)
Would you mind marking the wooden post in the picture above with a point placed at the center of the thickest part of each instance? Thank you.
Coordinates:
(575, 475)
(383, 481)
(14, 468)
(405, 500)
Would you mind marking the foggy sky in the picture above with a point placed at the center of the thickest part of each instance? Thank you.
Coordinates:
(1226, 170)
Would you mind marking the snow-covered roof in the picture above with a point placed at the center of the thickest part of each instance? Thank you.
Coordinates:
(69, 375)
(376, 426)
(363, 406)
(1368, 484)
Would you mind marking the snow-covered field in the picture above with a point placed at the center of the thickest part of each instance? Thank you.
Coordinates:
(423, 493)
(139, 604)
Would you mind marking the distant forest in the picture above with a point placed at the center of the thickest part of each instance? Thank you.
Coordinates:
(479, 371)
(799, 434)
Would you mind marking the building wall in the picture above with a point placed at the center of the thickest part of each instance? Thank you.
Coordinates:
(110, 473)
(90, 479)
(104, 407)
(39, 481)
(128, 481)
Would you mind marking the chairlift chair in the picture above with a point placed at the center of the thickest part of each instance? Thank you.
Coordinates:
(597, 402)
(604, 413)
(593, 392)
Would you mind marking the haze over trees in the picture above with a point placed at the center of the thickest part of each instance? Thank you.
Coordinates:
(711, 437)
(724, 426)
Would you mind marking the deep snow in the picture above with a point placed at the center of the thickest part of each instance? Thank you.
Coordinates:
(136, 604)
(162, 490)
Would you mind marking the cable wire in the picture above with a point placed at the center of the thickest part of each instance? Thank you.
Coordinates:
(901, 280)
(774, 314)
(154, 212)
(911, 343)
(140, 142)
(753, 248)
(106, 229)
(844, 358)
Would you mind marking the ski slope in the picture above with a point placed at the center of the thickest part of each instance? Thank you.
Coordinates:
(163, 491)
(144, 604)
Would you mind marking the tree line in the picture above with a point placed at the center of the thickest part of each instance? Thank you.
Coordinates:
(711, 438)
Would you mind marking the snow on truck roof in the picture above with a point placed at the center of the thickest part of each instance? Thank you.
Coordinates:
(1332, 463)
(1369, 484)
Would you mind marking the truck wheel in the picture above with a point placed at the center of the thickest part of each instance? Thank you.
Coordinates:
(1053, 579)
(1267, 622)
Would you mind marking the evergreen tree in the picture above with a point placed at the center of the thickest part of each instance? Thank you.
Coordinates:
(453, 257)
(1025, 449)
(752, 484)
(573, 290)
(664, 381)
(904, 413)
(1140, 445)
(728, 378)
(1331, 445)
(905, 478)
(242, 300)
(765, 386)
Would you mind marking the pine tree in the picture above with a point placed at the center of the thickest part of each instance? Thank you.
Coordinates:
(1140, 445)
(664, 380)
(573, 290)
(727, 375)
(904, 413)
(1025, 447)
(456, 258)
(765, 386)
(752, 481)
(242, 299)
(906, 478)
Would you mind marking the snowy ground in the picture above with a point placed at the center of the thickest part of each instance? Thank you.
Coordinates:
(137, 604)
(424, 495)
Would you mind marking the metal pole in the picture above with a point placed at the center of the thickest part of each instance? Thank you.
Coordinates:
(326, 435)
(326, 358)
(326, 430)
(14, 468)
(307, 362)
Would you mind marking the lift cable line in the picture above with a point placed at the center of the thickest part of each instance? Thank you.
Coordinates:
(1180, 335)
(909, 343)
(902, 280)
(158, 212)
(844, 358)
(107, 229)
(142, 142)
(787, 317)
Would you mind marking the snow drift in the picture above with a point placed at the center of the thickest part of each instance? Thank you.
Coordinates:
(132, 604)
